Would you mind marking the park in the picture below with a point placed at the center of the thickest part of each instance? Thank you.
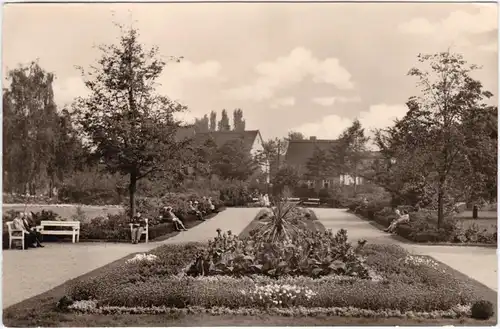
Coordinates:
(297, 230)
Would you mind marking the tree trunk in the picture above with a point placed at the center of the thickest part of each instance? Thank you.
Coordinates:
(440, 207)
(475, 209)
(132, 187)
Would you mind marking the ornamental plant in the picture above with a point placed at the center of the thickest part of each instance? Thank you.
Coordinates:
(277, 295)
(283, 246)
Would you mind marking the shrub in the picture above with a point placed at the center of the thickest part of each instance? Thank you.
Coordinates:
(482, 310)
(235, 193)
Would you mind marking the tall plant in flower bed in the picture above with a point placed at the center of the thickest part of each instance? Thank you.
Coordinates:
(282, 246)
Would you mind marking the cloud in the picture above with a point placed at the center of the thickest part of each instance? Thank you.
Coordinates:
(282, 102)
(331, 126)
(459, 22)
(328, 101)
(173, 82)
(292, 69)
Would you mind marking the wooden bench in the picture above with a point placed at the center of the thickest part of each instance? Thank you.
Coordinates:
(293, 199)
(145, 231)
(312, 202)
(15, 235)
(73, 225)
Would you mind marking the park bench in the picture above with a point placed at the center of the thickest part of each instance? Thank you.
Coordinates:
(67, 228)
(293, 199)
(15, 235)
(144, 232)
(311, 202)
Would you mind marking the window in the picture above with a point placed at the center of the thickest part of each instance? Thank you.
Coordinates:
(326, 183)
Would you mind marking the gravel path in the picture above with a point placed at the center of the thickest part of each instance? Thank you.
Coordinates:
(479, 263)
(31, 272)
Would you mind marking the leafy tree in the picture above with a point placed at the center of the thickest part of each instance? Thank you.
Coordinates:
(286, 177)
(128, 125)
(233, 161)
(295, 135)
(432, 146)
(318, 166)
(273, 154)
(223, 124)
(30, 128)
(349, 153)
(213, 121)
(238, 121)
(201, 125)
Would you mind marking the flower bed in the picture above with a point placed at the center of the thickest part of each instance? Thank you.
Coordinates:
(405, 286)
(422, 227)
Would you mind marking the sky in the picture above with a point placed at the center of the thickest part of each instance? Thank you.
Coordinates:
(307, 67)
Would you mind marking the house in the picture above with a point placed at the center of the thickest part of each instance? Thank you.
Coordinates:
(300, 151)
(252, 141)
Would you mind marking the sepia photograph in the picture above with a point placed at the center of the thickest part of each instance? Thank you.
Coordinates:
(206, 164)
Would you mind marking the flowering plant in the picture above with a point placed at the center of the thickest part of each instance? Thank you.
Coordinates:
(420, 261)
(149, 258)
(278, 295)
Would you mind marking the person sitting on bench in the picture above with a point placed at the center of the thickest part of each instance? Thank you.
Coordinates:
(179, 225)
(194, 211)
(402, 218)
(18, 224)
(28, 220)
(138, 225)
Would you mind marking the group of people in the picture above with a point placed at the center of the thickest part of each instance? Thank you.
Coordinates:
(167, 214)
(24, 221)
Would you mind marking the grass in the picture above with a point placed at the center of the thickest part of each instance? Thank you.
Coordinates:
(39, 311)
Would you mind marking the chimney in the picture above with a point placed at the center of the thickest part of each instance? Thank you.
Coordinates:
(312, 138)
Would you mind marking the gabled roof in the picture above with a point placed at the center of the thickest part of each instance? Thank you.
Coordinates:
(222, 137)
(300, 151)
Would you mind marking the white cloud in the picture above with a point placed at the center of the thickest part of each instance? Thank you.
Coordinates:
(174, 80)
(459, 22)
(328, 101)
(287, 71)
(331, 126)
(283, 102)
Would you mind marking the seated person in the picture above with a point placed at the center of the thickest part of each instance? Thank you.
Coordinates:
(18, 224)
(211, 205)
(194, 210)
(138, 225)
(29, 224)
(179, 225)
(402, 218)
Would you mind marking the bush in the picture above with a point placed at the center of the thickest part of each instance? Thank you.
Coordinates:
(235, 193)
(482, 310)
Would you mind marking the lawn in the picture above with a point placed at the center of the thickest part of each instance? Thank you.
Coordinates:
(398, 289)
(486, 220)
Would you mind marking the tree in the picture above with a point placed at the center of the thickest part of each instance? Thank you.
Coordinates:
(223, 124)
(238, 121)
(318, 166)
(431, 146)
(287, 176)
(349, 153)
(128, 125)
(201, 125)
(294, 135)
(30, 128)
(233, 161)
(213, 121)
(273, 154)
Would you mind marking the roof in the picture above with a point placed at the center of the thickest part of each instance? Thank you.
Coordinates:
(185, 133)
(300, 151)
(222, 137)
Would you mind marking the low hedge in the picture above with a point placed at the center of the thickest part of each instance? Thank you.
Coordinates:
(406, 284)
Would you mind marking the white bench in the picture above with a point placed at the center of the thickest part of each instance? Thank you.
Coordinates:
(145, 231)
(312, 201)
(293, 199)
(74, 225)
(13, 236)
